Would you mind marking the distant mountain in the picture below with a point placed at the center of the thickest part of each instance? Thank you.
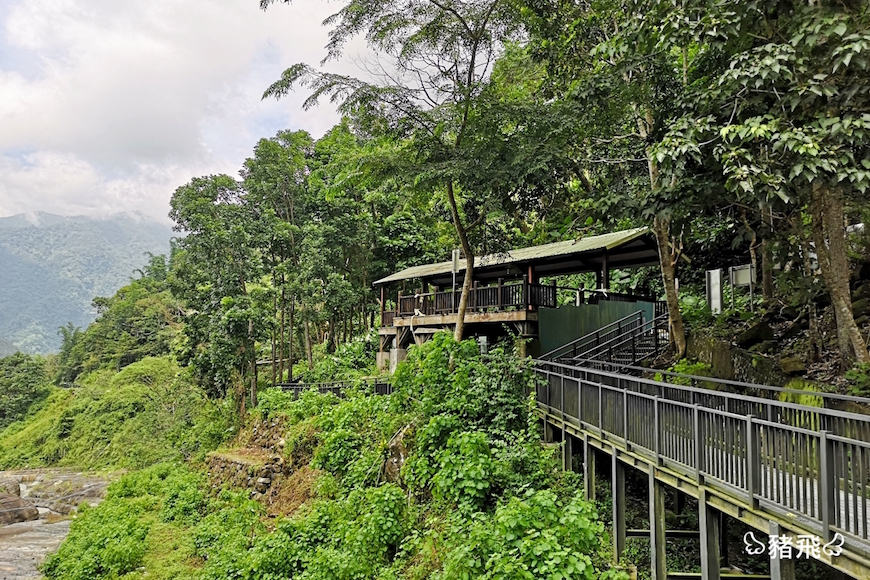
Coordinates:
(52, 267)
(7, 348)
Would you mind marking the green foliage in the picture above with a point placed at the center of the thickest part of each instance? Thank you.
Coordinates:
(140, 320)
(22, 385)
(860, 378)
(147, 413)
(465, 471)
(685, 367)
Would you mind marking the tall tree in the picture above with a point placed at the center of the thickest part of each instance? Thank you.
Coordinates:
(782, 107)
(439, 54)
(626, 95)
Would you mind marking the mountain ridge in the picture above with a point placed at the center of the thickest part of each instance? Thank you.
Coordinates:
(53, 266)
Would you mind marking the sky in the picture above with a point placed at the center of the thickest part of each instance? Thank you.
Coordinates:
(108, 106)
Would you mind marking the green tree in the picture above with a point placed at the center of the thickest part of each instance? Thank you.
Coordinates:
(437, 98)
(216, 263)
(780, 104)
(23, 382)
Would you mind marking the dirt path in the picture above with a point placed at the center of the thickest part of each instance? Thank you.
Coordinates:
(23, 546)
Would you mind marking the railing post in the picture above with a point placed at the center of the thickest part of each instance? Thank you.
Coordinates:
(657, 446)
(625, 416)
(699, 444)
(827, 484)
(500, 299)
(600, 408)
(753, 462)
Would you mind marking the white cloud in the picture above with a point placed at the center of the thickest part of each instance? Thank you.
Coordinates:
(108, 106)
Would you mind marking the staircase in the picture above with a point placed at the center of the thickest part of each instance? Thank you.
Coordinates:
(627, 341)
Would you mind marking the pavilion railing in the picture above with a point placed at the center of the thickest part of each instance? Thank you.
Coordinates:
(501, 297)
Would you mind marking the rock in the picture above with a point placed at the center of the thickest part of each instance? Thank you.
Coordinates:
(861, 292)
(397, 453)
(756, 333)
(14, 509)
(281, 443)
(789, 313)
(766, 347)
(862, 320)
(792, 365)
(10, 486)
(861, 307)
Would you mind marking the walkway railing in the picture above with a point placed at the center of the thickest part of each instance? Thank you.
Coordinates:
(338, 388)
(783, 458)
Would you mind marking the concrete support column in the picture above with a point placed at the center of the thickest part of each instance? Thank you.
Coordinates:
(709, 521)
(588, 469)
(658, 563)
(617, 481)
(780, 569)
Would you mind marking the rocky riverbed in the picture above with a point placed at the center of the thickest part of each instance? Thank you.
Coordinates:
(47, 498)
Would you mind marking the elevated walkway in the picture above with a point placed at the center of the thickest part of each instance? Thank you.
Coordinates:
(782, 468)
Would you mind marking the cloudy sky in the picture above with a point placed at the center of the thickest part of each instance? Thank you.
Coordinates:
(107, 106)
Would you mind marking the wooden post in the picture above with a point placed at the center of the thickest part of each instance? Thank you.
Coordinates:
(500, 294)
(658, 563)
(526, 293)
(399, 306)
(781, 568)
(708, 522)
(588, 469)
(383, 302)
(605, 271)
(617, 481)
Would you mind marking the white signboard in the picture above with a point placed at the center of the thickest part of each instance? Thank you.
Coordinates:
(715, 292)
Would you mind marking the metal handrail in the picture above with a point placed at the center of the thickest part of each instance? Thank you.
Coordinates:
(593, 335)
(614, 343)
(725, 382)
(745, 447)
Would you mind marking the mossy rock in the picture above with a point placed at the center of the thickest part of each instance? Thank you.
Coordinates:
(759, 332)
(766, 347)
(801, 399)
(792, 365)
(861, 307)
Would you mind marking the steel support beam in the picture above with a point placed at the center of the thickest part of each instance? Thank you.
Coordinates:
(657, 536)
(588, 468)
(780, 568)
(709, 524)
(617, 481)
(567, 451)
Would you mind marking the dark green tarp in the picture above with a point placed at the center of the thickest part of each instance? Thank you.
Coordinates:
(559, 326)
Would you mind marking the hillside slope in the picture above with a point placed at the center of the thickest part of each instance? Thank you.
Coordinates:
(52, 270)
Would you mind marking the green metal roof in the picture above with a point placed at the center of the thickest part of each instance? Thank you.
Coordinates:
(567, 249)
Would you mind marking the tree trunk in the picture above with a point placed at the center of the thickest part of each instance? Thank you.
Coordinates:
(469, 263)
(308, 353)
(767, 254)
(290, 342)
(814, 334)
(252, 349)
(667, 261)
(283, 331)
(753, 244)
(667, 257)
(829, 234)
